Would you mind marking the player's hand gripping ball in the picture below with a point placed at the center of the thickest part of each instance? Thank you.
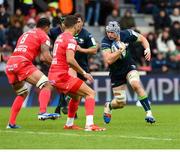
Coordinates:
(119, 46)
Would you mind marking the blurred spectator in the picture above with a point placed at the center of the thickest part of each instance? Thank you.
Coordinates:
(127, 21)
(2, 35)
(31, 23)
(48, 15)
(165, 43)
(114, 16)
(176, 3)
(17, 16)
(14, 33)
(149, 7)
(176, 15)
(26, 5)
(57, 19)
(93, 10)
(32, 14)
(66, 6)
(4, 16)
(162, 20)
(175, 33)
(94, 63)
(159, 63)
(173, 61)
(151, 37)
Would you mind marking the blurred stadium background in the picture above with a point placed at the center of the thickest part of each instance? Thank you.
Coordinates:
(158, 20)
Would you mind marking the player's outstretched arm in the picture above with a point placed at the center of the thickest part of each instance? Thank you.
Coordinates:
(73, 64)
(91, 50)
(45, 55)
(145, 43)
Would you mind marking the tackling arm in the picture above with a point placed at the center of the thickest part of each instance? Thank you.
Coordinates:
(91, 50)
(74, 65)
(45, 55)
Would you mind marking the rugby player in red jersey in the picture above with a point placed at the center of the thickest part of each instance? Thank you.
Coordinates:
(63, 58)
(20, 69)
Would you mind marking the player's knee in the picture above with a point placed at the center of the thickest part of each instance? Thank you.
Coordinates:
(136, 85)
(119, 100)
(117, 104)
(91, 94)
(43, 82)
(23, 91)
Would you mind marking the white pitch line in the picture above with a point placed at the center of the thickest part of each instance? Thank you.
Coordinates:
(85, 135)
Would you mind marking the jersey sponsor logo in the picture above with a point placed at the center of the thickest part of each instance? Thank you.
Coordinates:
(20, 49)
(72, 40)
(81, 41)
(71, 46)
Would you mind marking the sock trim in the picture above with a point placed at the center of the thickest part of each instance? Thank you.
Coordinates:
(142, 97)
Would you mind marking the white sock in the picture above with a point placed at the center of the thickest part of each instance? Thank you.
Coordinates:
(89, 120)
(148, 113)
(70, 121)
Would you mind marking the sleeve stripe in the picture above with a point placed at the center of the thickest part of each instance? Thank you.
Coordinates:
(106, 44)
(106, 49)
(94, 46)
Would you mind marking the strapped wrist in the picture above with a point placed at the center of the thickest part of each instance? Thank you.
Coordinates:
(84, 73)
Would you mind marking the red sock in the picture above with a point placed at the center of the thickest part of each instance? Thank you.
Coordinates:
(72, 108)
(16, 107)
(44, 97)
(89, 106)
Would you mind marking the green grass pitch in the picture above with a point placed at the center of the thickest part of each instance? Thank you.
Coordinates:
(127, 130)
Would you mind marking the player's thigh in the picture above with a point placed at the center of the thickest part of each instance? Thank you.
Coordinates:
(34, 77)
(133, 77)
(72, 72)
(85, 90)
(134, 80)
(75, 96)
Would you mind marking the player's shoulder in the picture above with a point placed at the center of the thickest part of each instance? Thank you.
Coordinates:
(55, 30)
(68, 37)
(41, 33)
(128, 32)
(85, 32)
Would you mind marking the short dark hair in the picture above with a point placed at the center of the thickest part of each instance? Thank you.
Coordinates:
(70, 21)
(78, 15)
(43, 22)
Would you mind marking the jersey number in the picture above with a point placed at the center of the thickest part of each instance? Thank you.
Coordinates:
(24, 38)
(55, 49)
